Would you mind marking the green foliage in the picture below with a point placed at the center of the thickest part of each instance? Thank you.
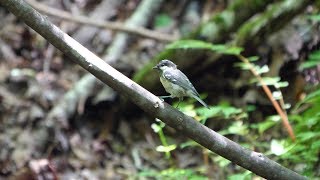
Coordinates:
(173, 173)
(253, 58)
(302, 153)
(306, 150)
(162, 20)
(196, 44)
(222, 110)
(187, 108)
(258, 69)
(278, 147)
(312, 61)
(158, 128)
(247, 175)
(221, 161)
(236, 128)
(269, 81)
(312, 98)
(315, 17)
(267, 124)
(167, 148)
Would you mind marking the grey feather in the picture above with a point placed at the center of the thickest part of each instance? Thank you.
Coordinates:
(200, 101)
(177, 77)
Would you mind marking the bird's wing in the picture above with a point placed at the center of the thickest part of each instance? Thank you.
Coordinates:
(177, 77)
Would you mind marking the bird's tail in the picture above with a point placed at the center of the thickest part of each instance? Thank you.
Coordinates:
(200, 101)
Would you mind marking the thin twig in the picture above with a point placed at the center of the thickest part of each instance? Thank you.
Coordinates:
(116, 26)
(275, 103)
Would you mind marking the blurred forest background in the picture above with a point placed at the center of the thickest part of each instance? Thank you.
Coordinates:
(58, 122)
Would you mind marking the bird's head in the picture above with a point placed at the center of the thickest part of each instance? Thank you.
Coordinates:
(165, 64)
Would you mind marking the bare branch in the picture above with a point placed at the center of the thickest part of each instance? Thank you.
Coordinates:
(116, 26)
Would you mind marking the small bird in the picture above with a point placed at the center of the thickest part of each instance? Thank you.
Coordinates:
(175, 82)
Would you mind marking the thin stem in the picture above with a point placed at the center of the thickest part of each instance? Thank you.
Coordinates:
(163, 139)
(275, 103)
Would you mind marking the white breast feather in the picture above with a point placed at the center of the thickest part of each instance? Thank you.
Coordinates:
(173, 89)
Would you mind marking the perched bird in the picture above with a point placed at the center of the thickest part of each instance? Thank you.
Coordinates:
(175, 82)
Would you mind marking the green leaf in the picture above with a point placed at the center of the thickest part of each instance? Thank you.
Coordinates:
(268, 123)
(312, 97)
(247, 175)
(265, 126)
(187, 109)
(315, 17)
(281, 84)
(238, 128)
(267, 81)
(156, 128)
(189, 44)
(308, 64)
(277, 147)
(315, 55)
(277, 95)
(166, 148)
(222, 162)
(231, 51)
(228, 111)
(263, 69)
(274, 118)
(250, 108)
(196, 44)
(172, 173)
(315, 145)
(163, 20)
(148, 172)
(312, 61)
(307, 135)
(243, 66)
(253, 58)
(222, 110)
(270, 80)
(188, 144)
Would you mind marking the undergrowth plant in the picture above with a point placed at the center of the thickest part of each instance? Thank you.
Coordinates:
(300, 151)
(246, 64)
(304, 154)
(165, 147)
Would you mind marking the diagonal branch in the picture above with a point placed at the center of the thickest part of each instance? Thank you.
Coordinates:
(253, 161)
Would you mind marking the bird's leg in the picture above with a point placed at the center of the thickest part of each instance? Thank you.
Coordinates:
(163, 97)
(180, 99)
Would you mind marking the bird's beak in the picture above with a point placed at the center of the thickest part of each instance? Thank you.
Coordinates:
(156, 67)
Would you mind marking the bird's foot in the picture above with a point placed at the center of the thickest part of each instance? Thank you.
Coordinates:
(163, 97)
